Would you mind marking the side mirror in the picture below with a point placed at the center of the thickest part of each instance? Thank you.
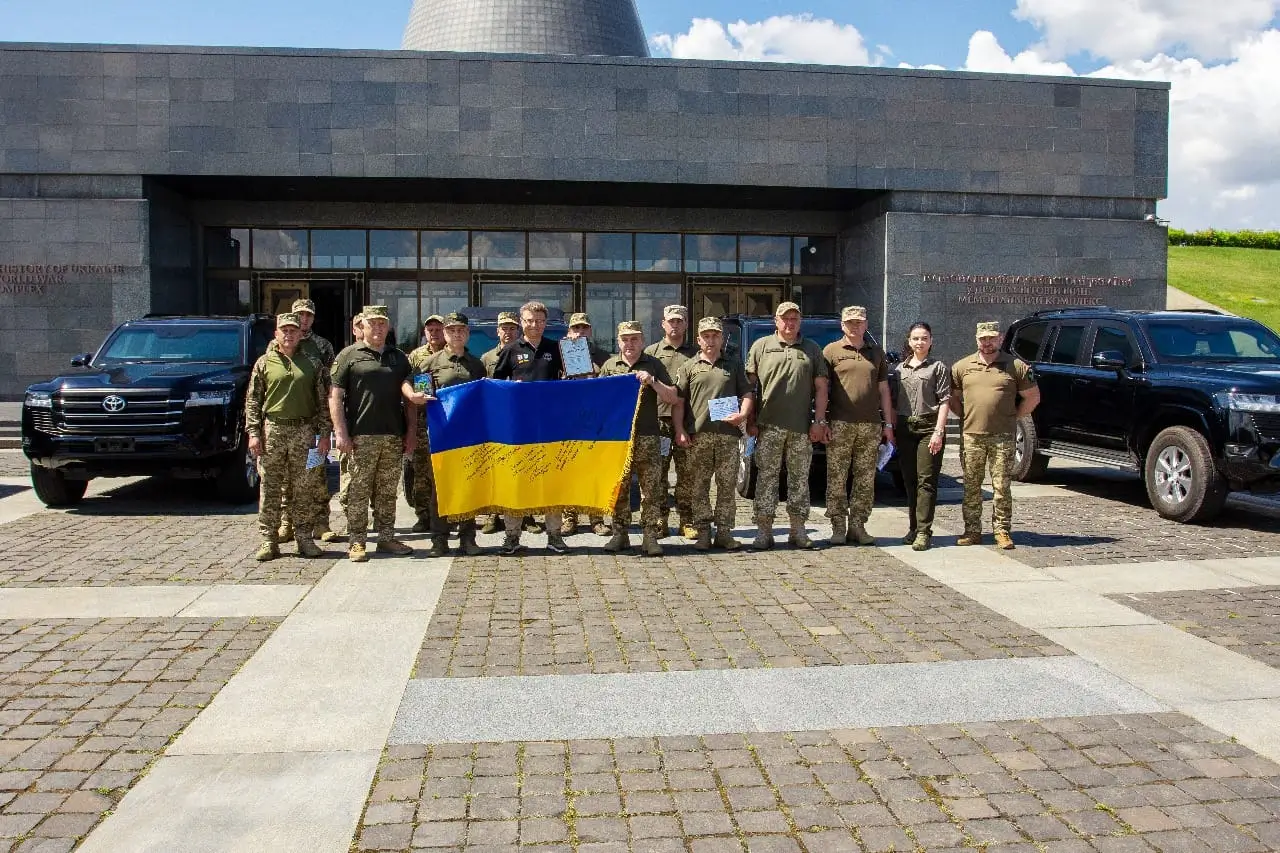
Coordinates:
(1110, 360)
(81, 360)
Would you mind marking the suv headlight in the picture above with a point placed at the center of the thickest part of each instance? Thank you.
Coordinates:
(209, 398)
(39, 400)
(1249, 402)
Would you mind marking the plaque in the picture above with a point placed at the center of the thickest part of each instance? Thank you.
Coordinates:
(575, 354)
(424, 383)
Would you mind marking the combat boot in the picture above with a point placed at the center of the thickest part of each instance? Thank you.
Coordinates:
(839, 530)
(491, 526)
(467, 539)
(1004, 541)
(569, 525)
(439, 546)
(858, 534)
(266, 551)
(970, 538)
(532, 525)
(285, 533)
(307, 548)
(764, 534)
(703, 542)
(621, 540)
(923, 540)
(799, 538)
(422, 525)
(598, 527)
(688, 530)
(323, 533)
(724, 539)
(394, 547)
(650, 546)
(356, 553)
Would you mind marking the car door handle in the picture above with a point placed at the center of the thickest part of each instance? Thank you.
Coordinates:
(1080, 380)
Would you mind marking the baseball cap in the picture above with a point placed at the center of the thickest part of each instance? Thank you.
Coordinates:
(988, 329)
(784, 307)
(505, 317)
(300, 305)
(630, 327)
(710, 324)
(455, 318)
(579, 319)
(853, 312)
(287, 319)
(675, 311)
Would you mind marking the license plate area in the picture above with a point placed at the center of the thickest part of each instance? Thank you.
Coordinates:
(113, 445)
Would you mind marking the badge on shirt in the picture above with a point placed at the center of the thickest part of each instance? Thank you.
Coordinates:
(522, 357)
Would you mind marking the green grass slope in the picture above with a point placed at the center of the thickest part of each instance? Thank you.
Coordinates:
(1242, 281)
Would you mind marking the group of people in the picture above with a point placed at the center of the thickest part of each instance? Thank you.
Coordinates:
(695, 405)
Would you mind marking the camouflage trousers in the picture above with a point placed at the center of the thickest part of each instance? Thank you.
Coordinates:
(983, 453)
(344, 479)
(684, 479)
(646, 462)
(852, 445)
(313, 489)
(283, 461)
(716, 455)
(773, 446)
(424, 480)
(375, 465)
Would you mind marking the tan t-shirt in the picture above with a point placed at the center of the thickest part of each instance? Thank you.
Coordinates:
(856, 374)
(647, 416)
(700, 381)
(786, 373)
(989, 392)
(671, 358)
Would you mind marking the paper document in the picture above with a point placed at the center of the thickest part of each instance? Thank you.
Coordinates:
(723, 407)
(884, 455)
(664, 446)
(315, 458)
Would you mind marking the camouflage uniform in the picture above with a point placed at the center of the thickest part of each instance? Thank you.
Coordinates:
(853, 444)
(646, 462)
(773, 445)
(424, 481)
(672, 358)
(374, 465)
(714, 454)
(313, 487)
(983, 453)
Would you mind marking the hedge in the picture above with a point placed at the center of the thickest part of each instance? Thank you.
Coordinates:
(1236, 239)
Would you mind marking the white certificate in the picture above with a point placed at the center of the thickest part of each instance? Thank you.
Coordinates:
(315, 458)
(576, 356)
(723, 407)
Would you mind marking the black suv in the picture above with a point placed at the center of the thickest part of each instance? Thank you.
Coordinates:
(1188, 399)
(163, 395)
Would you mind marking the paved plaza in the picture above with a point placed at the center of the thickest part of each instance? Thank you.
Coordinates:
(1110, 685)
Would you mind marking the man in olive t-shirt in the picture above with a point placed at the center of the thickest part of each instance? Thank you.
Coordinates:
(995, 389)
(790, 374)
(672, 351)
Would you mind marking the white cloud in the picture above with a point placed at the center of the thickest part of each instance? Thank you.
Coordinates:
(782, 38)
(986, 54)
(1123, 30)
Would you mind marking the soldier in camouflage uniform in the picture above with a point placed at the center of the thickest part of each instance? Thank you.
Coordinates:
(285, 409)
(672, 351)
(860, 408)
(791, 377)
(713, 446)
(993, 389)
(424, 482)
(580, 327)
(371, 384)
(344, 475)
(508, 331)
(646, 456)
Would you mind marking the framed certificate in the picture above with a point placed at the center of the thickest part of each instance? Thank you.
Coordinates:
(576, 356)
(722, 407)
(424, 383)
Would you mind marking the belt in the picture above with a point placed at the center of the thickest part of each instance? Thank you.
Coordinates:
(290, 421)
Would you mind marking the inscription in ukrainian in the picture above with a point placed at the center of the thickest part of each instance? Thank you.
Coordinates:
(34, 279)
(1037, 290)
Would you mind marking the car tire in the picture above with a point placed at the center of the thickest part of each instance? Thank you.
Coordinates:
(54, 489)
(1183, 484)
(238, 482)
(1028, 465)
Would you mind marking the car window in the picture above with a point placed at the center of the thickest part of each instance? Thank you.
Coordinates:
(733, 341)
(177, 343)
(1066, 345)
(1188, 340)
(1026, 345)
(1113, 339)
(262, 335)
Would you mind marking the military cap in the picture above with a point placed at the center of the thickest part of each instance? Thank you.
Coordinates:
(579, 319)
(505, 317)
(455, 318)
(289, 319)
(300, 305)
(630, 327)
(675, 311)
(989, 328)
(853, 312)
(439, 318)
(710, 324)
(784, 307)
(375, 312)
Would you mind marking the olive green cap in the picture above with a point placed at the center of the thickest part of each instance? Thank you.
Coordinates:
(456, 318)
(288, 319)
(853, 312)
(505, 317)
(675, 311)
(579, 319)
(630, 327)
(710, 324)
(300, 305)
(988, 329)
(784, 307)
(434, 318)
(374, 312)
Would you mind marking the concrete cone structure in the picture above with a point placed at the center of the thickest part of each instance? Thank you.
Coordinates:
(579, 27)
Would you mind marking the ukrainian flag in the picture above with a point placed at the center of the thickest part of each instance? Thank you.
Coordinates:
(531, 447)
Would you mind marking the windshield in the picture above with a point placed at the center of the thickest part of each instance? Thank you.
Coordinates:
(485, 338)
(176, 343)
(1192, 341)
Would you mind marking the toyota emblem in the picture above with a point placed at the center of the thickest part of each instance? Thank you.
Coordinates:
(114, 403)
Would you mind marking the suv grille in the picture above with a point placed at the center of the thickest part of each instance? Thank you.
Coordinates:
(1267, 425)
(144, 412)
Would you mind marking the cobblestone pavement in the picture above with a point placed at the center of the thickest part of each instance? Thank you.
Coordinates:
(87, 705)
(1115, 784)
(597, 613)
(14, 464)
(1245, 620)
(152, 532)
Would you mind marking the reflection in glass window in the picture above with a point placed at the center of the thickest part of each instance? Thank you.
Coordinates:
(650, 300)
(394, 250)
(815, 297)
(229, 296)
(441, 297)
(815, 255)
(608, 305)
(280, 249)
(1067, 345)
(510, 295)
(609, 252)
(401, 299)
(337, 250)
(1027, 345)
(1111, 339)
(764, 254)
(713, 253)
(444, 250)
(494, 250)
(226, 248)
(658, 252)
(560, 251)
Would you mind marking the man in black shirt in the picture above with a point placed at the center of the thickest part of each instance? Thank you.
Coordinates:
(532, 358)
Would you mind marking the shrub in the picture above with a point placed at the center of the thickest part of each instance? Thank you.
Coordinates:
(1234, 239)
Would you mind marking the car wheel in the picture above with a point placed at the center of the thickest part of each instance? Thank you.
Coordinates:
(1182, 482)
(54, 489)
(1028, 465)
(238, 481)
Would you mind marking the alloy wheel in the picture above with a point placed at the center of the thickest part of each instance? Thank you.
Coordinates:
(1173, 475)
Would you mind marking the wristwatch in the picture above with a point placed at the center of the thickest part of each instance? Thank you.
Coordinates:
(819, 423)
(887, 425)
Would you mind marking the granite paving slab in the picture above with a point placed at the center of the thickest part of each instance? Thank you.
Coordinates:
(13, 463)
(87, 706)
(1245, 620)
(1098, 783)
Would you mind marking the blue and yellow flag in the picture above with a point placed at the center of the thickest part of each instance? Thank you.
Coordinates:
(531, 447)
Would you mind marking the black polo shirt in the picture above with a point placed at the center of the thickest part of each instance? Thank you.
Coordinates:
(372, 380)
(523, 362)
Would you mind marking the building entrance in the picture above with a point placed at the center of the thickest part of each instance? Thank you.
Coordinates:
(718, 298)
(335, 296)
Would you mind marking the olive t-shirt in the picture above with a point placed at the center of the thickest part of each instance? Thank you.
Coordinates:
(647, 417)
(989, 392)
(372, 381)
(671, 358)
(448, 369)
(490, 359)
(700, 381)
(856, 374)
(786, 373)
